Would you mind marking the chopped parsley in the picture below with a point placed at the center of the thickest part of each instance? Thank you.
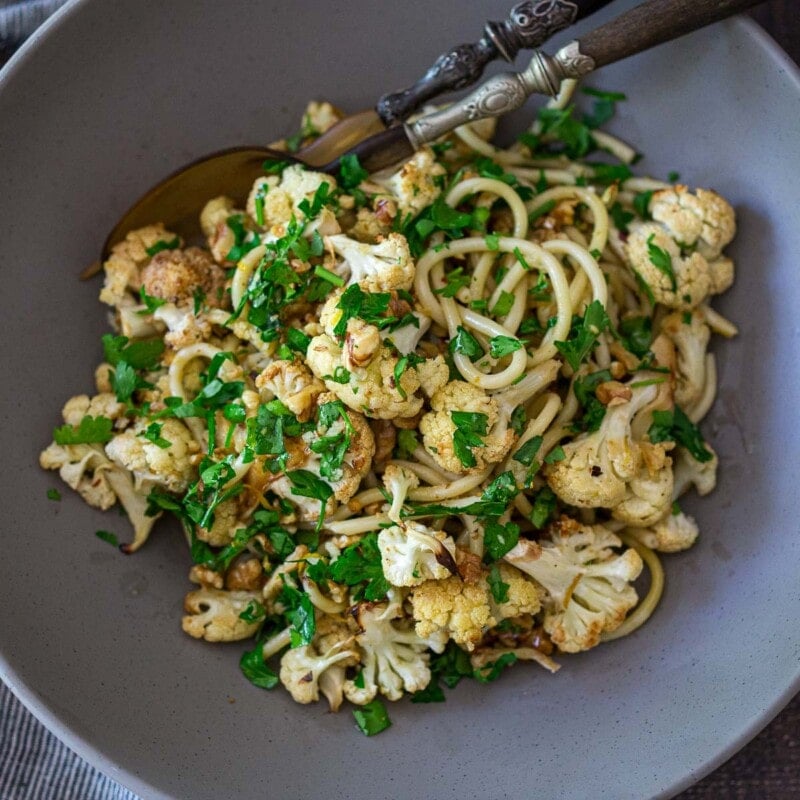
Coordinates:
(372, 718)
(593, 410)
(455, 280)
(497, 586)
(641, 203)
(307, 484)
(499, 539)
(54, 494)
(636, 335)
(359, 565)
(544, 506)
(107, 536)
(675, 426)
(153, 434)
(662, 261)
(161, 244)
(91, 430)
(256, 671)
(464, 342)
(470, 427)
(583, 334)
(500, 346)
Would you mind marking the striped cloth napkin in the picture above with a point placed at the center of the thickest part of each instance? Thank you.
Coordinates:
(34, 764)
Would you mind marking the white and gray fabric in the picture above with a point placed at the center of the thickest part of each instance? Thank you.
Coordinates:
(35, 765)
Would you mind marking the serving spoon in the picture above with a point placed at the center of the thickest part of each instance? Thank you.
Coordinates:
(177, 200)
(179, 197)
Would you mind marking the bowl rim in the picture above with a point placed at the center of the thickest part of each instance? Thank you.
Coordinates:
(45, 712)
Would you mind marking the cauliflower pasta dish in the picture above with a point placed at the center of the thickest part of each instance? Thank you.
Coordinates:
(417, 425)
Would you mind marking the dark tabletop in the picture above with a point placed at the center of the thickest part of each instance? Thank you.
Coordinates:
(769, 767)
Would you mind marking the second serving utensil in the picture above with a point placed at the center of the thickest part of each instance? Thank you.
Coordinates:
(175, 201)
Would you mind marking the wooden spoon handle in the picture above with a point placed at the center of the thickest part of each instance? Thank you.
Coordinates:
(652, 23)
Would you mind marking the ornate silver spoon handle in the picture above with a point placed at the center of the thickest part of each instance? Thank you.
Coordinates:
(529, 25)
(645, 26)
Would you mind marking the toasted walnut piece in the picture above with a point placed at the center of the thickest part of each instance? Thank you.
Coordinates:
(408, 423)
(655, 455)
(247, 574)
(385, 435)
(205, 576)
(612, 390)
(469, 566)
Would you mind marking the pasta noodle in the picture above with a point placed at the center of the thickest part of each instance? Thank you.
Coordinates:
(448, 408)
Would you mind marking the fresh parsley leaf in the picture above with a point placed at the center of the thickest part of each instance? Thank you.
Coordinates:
(369, 306)
(540, 211)
(560, 124)
(583, 336)
(636, 335)
(527, 452)
(610, 173)
(297, 340)
(641, 203)
(53, 494)
(256, 671)
(605, 106)
(556, 454)
(499, 539)
(464, 342)
(500, 346)
(676, 426)
(406, 443)
(91, 430)
(351, 173)
(107, 536)
(455, 280)
(504, 304)
(144, 354)
(544, 506)
(497, 586)
(328, 276)
(153, 434)
(150, 303)
(661, 260)
(673, 176)
(161, 244)
(519, 418)
(359, 565)
(492, 671)
(254, 612)
(300, 613)
(470, 427)
(340, 375)
(620, 217)
(593, 410)
(372, 718)
(307, 484)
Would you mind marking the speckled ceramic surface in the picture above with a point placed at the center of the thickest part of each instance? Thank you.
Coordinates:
(109, 98)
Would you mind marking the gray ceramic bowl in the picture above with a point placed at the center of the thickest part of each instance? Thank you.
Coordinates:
(110, 97)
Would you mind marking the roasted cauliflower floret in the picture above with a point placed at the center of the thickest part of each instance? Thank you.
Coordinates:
(462, 610)
(284, 194)
(412, 553)
(170, 466)
(294, 385)
(368, 368)
(307, 453)
(589, 586)
(691, 341)
(684, 282)
(214, 223)
(184, 327)
(86, 469)
(379, 267)
(398, 481)
(673, 533)
(522, 596)
(394, 658)
(597, 466)
(321, 115)
(302, 668)
(213, 615)
(688, 472)
(181, 276)
(122, 269)
(104, 404)
(415, 185)
(648, 495)
(704, 219)
(459, 433)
